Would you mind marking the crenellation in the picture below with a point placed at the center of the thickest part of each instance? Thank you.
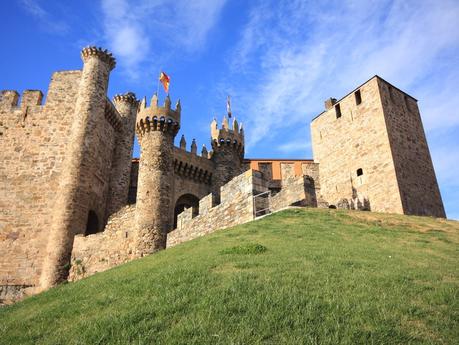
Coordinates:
(183, 142)
(194, 147)
(8, 100)
(204, 152)
(31, 98)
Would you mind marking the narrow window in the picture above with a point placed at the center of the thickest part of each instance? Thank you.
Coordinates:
(358, 97)
(338, 111)
(359, 172)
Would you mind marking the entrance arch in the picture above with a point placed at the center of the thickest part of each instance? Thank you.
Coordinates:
(186, 201)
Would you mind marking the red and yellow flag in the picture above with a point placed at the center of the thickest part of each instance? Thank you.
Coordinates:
(165, 80)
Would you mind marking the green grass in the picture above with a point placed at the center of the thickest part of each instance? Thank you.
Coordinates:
(301, 276)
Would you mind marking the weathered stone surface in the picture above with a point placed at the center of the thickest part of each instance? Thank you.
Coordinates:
(236, 207)
(374, 154)
(101, 251)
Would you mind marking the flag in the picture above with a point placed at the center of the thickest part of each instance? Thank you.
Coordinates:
(165, 80)
(228, 106)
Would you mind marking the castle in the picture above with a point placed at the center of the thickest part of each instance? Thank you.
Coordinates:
(73, 201)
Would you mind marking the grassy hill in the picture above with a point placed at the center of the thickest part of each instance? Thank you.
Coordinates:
(301, 276)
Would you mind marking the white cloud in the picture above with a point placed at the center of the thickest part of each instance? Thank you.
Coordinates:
(305, 53)
(297, 146)
(45, 19)
(134, 30)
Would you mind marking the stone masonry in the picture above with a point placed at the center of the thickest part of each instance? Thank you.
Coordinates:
(372, 152)
(73, 202)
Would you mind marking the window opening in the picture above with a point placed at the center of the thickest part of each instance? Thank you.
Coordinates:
(338, 111)
(358, 97)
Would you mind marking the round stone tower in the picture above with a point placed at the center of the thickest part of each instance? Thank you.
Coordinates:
(126, 105)
(71, 204)
(156, 129)
(228, 153)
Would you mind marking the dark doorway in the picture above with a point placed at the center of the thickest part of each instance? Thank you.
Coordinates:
(92, 225)
(186, 201)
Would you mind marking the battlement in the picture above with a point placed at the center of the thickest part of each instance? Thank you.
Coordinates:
(190, 165)
(194, 147)
(102, 54)
(226, 136)
(126, 98)
(9, 99)
(156, 117)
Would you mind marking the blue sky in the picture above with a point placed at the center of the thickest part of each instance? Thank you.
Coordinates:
(279, 60)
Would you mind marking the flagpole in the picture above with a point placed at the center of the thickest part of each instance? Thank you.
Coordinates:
(157, 88)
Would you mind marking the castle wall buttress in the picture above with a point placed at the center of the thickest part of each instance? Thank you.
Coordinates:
(351, 144)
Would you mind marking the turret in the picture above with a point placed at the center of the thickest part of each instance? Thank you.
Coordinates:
(183, 142)
(228, 152)
(71, 206)
(194, 147)
(204, 152)
(126, 105)
(156, 129)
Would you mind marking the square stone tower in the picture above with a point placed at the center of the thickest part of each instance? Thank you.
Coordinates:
(373, 154)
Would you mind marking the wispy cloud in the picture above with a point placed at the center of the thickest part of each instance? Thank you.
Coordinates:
(304, 52)
(146, 29)
(297, 145)
(47, 21)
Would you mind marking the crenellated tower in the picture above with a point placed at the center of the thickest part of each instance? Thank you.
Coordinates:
(126, 105)
(228, 152)
(75, 186)
(156, 129)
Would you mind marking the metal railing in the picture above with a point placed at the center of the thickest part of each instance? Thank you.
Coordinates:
(266, 204)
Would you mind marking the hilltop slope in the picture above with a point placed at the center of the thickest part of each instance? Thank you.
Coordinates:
(299, 276)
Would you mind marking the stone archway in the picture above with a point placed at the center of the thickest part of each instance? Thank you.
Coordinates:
(186, 201)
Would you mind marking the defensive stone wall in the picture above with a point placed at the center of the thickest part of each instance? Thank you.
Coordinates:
(236, 207)
(101, 251)
(296, 191)
(34, 143)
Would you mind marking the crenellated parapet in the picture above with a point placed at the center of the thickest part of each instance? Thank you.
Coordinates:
(193, 147)
(102, 54)
(126, 98)
(192, 166)
(158, 118)
(9, 99)
(226, 136)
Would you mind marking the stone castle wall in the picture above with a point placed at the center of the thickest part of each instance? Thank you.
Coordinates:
(296, 191)
(236, 207)
(418, 185)
(356, 140)
(34, 143)
(101, 251)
